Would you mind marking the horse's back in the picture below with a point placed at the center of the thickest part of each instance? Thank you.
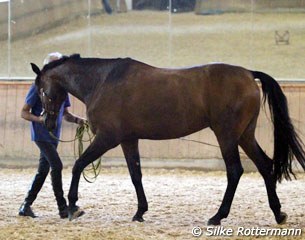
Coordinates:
(158, 103)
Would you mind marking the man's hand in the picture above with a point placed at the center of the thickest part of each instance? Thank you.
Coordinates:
(69, 117)
(27, 115)
(41, 119)
(80, 121)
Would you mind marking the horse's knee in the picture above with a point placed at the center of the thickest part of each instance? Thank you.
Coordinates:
(77, 168)
(76, 171)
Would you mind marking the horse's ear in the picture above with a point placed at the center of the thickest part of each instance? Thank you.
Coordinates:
(35, 68)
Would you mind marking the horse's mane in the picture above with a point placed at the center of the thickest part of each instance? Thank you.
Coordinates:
(60, 61)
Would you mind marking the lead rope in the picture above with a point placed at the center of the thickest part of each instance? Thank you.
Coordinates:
(205, 143)
(91, 172)
(196, 141)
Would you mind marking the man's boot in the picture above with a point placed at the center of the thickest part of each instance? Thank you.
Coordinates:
(25, 208)
(63, 211)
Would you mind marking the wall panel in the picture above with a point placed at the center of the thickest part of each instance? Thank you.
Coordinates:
(15, 132)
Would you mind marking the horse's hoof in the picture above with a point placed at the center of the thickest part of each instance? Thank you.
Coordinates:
(138, 219)
(75, 212)
(282, 218)
(213, 222)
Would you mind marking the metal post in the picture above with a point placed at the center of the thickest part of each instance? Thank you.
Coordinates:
(9, 40)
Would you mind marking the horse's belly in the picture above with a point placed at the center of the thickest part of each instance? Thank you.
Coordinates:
(170, 131)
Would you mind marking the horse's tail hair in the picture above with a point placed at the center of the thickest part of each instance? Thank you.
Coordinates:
(287, 143)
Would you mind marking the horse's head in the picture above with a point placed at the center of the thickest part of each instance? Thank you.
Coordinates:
(52, 95)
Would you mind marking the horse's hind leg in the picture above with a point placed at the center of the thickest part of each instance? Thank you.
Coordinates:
(265, 166)
(229, 149)
(131, 152)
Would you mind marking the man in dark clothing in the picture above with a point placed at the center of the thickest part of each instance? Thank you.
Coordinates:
(47, 145)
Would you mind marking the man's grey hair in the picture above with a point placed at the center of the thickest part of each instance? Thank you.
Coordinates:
(52, 57)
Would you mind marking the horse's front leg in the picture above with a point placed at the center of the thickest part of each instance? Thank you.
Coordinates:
(131, 152)
(97, 148)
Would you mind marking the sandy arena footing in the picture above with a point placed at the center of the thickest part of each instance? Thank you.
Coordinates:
(179, 200)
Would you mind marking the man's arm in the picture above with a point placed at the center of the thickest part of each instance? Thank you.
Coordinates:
(27, 115)
(69, 117)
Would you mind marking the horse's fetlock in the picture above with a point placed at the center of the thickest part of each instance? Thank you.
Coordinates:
(72, 199)
(144, 208)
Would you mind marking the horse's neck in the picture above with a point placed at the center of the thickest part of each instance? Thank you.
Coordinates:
(82, 84)
(82, 88)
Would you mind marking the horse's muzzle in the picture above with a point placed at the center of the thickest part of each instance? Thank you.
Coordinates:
(50, 122)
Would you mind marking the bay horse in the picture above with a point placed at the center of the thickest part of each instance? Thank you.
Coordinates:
(127, 100)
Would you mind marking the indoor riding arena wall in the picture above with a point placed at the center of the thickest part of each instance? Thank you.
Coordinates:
(225, 6)
(16, 148)
(154, 37)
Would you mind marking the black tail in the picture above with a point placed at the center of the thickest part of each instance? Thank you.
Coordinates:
(287, 143)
